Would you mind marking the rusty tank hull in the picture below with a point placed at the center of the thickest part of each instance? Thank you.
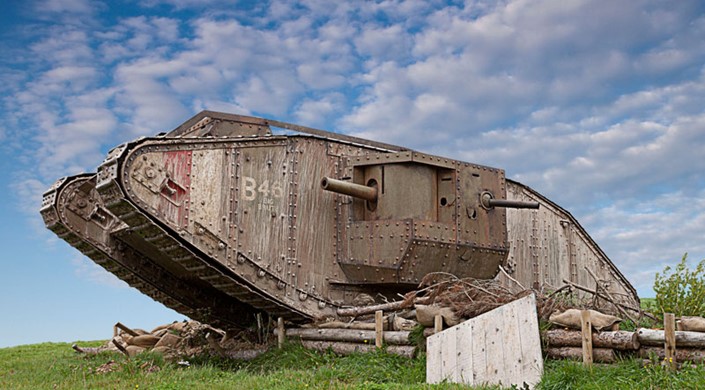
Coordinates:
(220, 218)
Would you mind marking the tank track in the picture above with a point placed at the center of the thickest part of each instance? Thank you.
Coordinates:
(134, 268)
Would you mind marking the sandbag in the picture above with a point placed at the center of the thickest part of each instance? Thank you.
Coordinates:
(425, 315)
(161, 327)
(145, 341)
(177, 326)
(403, 324)
(571, 319)
(168, 340)
(133, 350)
(692, 324)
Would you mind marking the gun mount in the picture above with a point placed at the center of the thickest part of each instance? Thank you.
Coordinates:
(488, 201)
(367, 192)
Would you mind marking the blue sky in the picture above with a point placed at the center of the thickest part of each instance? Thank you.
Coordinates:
(598, 105)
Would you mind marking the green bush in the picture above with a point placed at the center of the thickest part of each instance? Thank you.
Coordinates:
(681, 291)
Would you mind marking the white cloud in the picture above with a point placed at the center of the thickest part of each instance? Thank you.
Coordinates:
(597, 106)
(643, 236)
(317, 112)
(384, 44)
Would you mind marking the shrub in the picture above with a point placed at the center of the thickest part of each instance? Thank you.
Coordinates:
(681, 291)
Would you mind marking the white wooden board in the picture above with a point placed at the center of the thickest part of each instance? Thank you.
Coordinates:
(500, 347)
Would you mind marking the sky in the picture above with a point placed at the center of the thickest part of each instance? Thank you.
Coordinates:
(597, 105)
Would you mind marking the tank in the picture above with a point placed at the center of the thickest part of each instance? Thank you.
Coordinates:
(221, 218)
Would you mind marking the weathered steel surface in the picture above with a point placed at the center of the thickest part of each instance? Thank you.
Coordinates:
(548, 245)
(221, 219)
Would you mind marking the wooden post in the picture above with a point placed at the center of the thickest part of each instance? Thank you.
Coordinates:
(586, 329)
(669, 327)
(438, 323)
(379, 328)
(281, 332)
(126, 329)
(120, 347)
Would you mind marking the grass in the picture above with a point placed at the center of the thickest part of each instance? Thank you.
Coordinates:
(627, 374)
(56, 366)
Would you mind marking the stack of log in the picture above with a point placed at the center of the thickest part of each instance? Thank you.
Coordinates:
(176, 341)
(442, 300)
(688, 344)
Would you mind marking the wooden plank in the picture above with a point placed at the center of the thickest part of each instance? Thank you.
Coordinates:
(494, 347)
(531, 358)
(449, 363)
(499, 347)
(508, 337)
(479, 350)
(669, 327)
(434, 359)
(464, 342)
(586, 331)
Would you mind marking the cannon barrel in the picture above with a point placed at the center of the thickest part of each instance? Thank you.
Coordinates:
(489, 202)
(351, 189)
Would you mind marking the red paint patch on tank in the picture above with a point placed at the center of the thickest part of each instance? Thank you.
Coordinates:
(176, 187)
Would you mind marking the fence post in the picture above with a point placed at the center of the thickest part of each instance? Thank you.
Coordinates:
(281, 335)
(379, 329)
(437, 323)
(669, 328)
(586, 333)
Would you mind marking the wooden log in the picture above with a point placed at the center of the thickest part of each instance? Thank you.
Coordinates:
(89, 350)
(669, 331)
(348, 335)
(357, 311)
(692, 355)
(621, 339)
(362, 310)
(353, 325)
(343, 348)
(599, 355)
(586, 336)
(657, 338)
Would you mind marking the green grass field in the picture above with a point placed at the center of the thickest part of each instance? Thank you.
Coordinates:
(57, 366)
